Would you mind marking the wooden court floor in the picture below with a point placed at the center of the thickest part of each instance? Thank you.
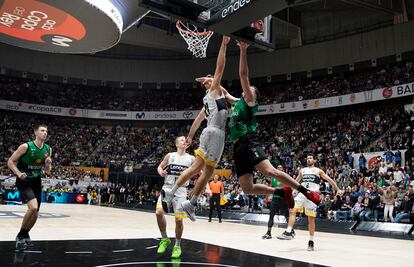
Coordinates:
(82, 222)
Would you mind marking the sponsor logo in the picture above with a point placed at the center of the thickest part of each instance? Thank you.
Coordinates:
(305, 105)
(407, 89)
(282, 105)
(44, 109)
(118, 115)
(233, 7)
(317, 103)
(188, 115)
(12, 107)
(34, 21)
(340, 100)
(165, 116)
(387, 92)
(353, 98)
(72, 111)
(13, 195)
(80, 198)
(140, 115)
(368, 96)
(38, 161)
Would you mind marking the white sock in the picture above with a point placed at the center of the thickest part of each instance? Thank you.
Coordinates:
(164, 234)
(311, 237)
(193, 200)
(178, 242)
(289, 229)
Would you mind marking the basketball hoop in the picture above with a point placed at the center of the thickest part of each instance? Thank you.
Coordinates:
(196, 40)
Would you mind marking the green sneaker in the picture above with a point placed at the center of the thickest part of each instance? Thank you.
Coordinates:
(164, 243)
(176, 253)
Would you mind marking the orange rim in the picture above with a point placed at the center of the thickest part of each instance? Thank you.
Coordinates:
(178, 25)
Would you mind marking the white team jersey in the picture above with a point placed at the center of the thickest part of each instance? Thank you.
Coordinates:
(311, 178)
(176, 165)
(216, 111)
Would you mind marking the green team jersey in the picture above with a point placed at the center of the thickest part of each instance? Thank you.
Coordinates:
(33, 161)
(243, 119)
(276, 184)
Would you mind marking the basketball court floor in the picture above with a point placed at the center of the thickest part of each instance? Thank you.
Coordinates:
(81, 235)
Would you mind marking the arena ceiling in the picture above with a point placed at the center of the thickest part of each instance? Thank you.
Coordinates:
(308, 21)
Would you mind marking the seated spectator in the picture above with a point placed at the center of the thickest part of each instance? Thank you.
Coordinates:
(406, 209)
(345, 211)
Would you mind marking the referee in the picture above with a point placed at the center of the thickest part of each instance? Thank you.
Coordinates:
(217, 190)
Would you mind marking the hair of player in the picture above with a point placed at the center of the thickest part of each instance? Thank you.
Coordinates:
(38, 125)
(176, 139)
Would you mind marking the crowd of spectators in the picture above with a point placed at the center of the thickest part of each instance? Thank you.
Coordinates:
(149, 99)
(382, 191)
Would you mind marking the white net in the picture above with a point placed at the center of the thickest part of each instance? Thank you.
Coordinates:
(196, 40)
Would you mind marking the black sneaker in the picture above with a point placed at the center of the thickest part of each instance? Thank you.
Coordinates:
(21, 243)
(267, 236)
(293, 233)
(286, 236)
(29, 242)
(311, 246)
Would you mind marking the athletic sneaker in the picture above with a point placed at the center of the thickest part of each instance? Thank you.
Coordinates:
(189, 209)
(21, 243)
(286, 235)
(314, 197)
(29, 242)
(293, 233)
(311, 246)
(176, 253)
(164, 243)
(267, 236)
(287, 196)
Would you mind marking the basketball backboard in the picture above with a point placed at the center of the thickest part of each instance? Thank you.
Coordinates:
(246, 20)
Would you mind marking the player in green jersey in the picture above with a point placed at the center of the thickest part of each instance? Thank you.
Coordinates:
(248, 151)
(277, 206)
(28, 163)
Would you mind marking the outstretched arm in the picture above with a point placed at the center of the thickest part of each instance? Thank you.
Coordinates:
(196, 124)
(221, 62)
(249, 96)
(330, 181)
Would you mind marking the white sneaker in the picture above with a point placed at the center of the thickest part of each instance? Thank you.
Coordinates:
(189, 209)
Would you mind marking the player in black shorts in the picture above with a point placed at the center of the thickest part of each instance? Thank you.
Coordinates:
(277, 206)
(28, 163)
(248, 151)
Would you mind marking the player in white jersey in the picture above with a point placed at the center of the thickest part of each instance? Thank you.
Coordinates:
(170, 168)
(310, 178)
(209, 153)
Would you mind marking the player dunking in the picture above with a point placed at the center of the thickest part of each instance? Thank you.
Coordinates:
(248, 152)
(215, 111)
(310, 177)
(171, 167)
(27, 163)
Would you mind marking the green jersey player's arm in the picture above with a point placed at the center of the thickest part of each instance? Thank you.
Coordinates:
(196, 123)
(161, 168)
(228, 96)
(221, 63)
(249, 95)
(12, 162)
